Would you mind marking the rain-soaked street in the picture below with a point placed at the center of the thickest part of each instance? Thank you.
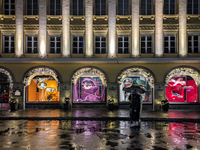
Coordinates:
(94, 135)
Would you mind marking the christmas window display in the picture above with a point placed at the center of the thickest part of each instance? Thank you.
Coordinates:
(89, 88)
(43, 89)
(136, 80)
(181, 88)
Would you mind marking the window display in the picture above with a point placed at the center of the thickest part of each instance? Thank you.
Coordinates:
(4, 88)
(43, 89)
(89, 89)
(181, 89)
(137, 80)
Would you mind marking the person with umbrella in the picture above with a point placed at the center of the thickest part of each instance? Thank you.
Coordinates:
(135, 107)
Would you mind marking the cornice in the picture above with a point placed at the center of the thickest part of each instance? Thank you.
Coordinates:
(31, 27)
(7, 26)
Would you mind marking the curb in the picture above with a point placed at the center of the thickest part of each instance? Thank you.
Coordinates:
(101, 119)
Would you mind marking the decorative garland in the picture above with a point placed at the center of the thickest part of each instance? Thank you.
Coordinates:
(183, 71)
(137, 71)
(10, 78)
(93, 71)
(39, 71)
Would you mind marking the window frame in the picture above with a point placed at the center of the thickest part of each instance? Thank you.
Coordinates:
(55, 7)
(55, 42)
(100, 9)
(32, 8)
(32, 41)
(78, 35)
(193, 8)
(10, 41)
(9, 9)
(152, 3)
(123, 36)
(146, 41)
(169, 8)
(123, 8)
(169, 44)
(77, 8)
(192, 43)
(100, 35)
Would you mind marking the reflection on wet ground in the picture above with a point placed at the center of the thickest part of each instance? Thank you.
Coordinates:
(97, 135)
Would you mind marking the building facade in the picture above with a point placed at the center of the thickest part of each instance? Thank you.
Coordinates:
(89, 50)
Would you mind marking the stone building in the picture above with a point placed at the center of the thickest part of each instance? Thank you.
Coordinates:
(88, 50)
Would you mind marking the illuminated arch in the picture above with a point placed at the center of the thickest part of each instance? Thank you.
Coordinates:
(89, 70)
(37, 72)
(183, 71)
(4, 71)
(137, 71)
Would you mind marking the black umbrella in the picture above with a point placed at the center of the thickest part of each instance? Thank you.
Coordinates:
(138, 88)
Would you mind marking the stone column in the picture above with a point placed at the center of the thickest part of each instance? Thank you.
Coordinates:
(19, 28)
(135, 28)
(89, 28)
(182, 28)
(42, 28)
(158, 28)
(66, 28)
(112, 28)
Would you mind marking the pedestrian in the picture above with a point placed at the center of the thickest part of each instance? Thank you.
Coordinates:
(135, 108)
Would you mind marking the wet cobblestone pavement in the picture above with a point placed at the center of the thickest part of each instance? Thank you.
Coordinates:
(99, 113)
(97, 135)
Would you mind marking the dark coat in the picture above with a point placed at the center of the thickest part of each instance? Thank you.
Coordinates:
(135, 108)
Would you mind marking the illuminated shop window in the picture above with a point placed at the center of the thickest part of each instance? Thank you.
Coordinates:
(55, 7)
(77, 7)
(4, 88)
(31, 44)
(170, 43)
(146, 7)
(136, 80)
(9, 7)
(123, 7)
(77, 44)
(8, 43)
(89, 88)
(181, 88)
(193, 43)
(146, 43)
(43, 89)
(32, 7)
(193, 7)
(100, 44)
(169, 7)
(123, 44)
(55, 44)
(100, 7)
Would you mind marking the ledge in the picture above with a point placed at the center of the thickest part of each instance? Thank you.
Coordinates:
(100, 60)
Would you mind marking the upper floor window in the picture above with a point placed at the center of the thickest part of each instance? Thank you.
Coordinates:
(77, 44)
(146, 43)
(77, 7)
(9, 7)
(55, 7)
(193, 7)
(8, 43)
(169, 7)
(193, 43)
(31, 43)
(146, 7)
(100, 44)
(123, 7)
(169, 43)
(55, 44)
(32, 7)
(123, 44)
(100, 7)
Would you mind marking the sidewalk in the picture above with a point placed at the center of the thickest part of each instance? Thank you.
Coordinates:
(97, 114)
